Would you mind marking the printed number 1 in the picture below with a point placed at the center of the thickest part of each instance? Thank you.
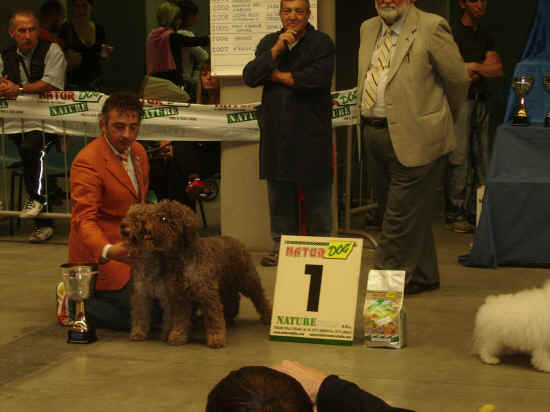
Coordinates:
(316, 272)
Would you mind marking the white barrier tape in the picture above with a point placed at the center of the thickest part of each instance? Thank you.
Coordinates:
(76, 113)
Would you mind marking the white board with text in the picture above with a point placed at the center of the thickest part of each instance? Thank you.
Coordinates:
(237, 26)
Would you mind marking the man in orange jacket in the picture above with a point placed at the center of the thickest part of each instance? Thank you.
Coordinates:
(108, 176)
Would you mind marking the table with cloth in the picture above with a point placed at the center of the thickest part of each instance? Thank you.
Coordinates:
(514, 227)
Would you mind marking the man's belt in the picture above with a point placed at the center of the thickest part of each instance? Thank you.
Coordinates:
(376, 122)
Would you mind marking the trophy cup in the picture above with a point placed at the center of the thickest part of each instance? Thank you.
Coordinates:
(522, 86)
(79, 280)
(546, 81)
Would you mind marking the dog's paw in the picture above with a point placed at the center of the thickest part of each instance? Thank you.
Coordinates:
(215, 341)
(541, 360)
(177, 338)
(138, 334)
(489, 359)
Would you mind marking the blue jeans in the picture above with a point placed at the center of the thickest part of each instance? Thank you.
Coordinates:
(468, 163)
(284, 208)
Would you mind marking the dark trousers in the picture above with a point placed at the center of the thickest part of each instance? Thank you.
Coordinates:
(33, 147)
(284, 209)
(406, 196)
(110, 309)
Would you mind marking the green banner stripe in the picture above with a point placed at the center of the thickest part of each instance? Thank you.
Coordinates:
(311, 340)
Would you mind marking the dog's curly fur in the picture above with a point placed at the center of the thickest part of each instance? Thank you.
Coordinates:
(174, 264)
(515, 323)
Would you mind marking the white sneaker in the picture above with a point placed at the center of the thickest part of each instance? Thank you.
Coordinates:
(41, 234)
(32, 209)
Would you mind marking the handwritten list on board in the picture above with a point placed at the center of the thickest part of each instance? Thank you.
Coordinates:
(237, 26)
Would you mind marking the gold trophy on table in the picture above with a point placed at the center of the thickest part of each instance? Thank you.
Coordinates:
(79, 281)
(522, 85)
(546, 81)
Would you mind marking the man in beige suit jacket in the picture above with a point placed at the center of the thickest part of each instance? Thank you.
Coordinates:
(408, 129)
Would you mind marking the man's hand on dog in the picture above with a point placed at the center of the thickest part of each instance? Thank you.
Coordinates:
(119, 251)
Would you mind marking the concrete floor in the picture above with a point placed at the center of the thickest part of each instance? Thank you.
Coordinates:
(436, 372)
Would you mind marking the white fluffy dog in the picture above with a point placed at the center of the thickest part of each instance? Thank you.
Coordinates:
(515, 323)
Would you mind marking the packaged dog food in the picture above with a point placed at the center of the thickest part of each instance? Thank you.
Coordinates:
(384, 313)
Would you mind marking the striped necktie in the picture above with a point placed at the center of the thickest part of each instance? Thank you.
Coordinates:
(130, 171)
(124, 159)
(382, 63)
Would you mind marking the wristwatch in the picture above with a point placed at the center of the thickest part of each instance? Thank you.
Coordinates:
(21, 90)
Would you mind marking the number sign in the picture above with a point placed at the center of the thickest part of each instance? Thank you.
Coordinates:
(316, 290)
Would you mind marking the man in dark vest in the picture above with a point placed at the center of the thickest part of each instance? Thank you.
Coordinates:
(32, 66)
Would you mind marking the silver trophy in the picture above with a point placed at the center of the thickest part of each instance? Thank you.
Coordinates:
(79, 280)
(521, 85)
(546, 81)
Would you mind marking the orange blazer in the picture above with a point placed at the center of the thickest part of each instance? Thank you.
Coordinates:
(101, 193)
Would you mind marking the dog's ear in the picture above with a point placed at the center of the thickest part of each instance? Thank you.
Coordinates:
(188, 223)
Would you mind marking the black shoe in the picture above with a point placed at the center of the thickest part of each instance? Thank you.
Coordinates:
(414, 288)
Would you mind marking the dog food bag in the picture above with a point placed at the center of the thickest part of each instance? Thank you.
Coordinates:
(384, 313)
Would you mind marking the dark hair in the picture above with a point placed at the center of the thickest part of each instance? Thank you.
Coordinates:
(306, 1)
(51, 8)
(258, 389)
(89, 1)
(20, 12)
(188, 8)
(124, 102)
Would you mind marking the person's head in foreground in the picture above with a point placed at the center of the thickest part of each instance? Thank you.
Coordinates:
(258, 389)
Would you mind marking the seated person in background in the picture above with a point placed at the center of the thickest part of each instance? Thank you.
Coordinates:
(191, 57)
(190, 160)
(163, 53)
(32, 66)
(52, 16)
(164, 81)
(290, 387)
(208, 89)
(208, 153)
(202, 158)
(108, 176)
(86, 47)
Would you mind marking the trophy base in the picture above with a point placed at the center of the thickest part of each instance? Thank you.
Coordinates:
(77, 336)
(520, 121)
(547, 121)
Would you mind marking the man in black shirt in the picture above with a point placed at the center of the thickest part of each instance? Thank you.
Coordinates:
(469, 161)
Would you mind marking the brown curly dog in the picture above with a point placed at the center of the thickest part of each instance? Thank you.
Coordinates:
(174, 264)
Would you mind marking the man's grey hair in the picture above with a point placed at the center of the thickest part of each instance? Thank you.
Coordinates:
(20, 12)
(305, 1)
(167, 14)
